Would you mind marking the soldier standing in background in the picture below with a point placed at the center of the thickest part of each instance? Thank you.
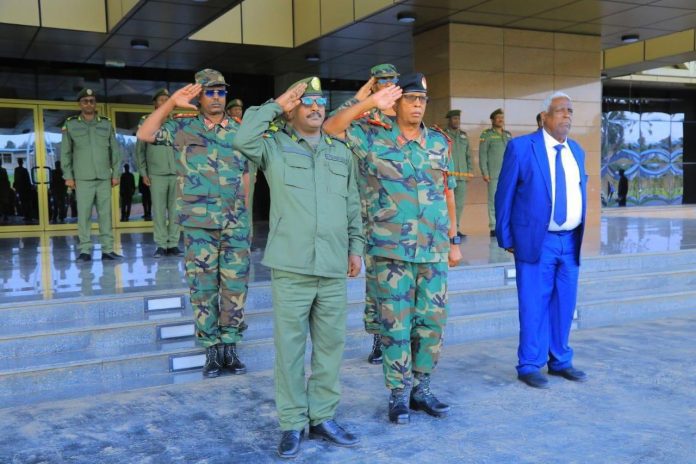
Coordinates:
(91, 160)
(127, 189)
(157, 167)
(211, 208)
(59, 191)
(491, 149)
(22, 185)
(461, 155)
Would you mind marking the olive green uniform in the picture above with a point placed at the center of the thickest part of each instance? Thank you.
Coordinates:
(158, 162)
(90, 156)
(461, 156)
(491, 149)
(315, 224)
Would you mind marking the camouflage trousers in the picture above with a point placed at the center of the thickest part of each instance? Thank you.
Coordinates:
(412, 300)
(217, 272)
(371, 318)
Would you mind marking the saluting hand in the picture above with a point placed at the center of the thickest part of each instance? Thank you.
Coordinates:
(182, 97)
(366, 90)
(291, 98)
(385, 98)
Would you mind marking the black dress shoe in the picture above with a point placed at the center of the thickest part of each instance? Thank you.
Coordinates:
(422, 399)
(330, 431)
(110, 256)
(84, 257)
(534, 379)
(289, 446)
(398, 407)
(159, 252)
(174, 251)
(375, 356)
(460, 235)
(570, 373)
(231, 360)
(213, 361)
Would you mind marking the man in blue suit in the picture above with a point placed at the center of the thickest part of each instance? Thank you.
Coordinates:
(540, 209)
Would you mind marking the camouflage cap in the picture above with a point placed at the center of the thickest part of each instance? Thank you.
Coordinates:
(313, 86)
(159, 93)
(451, 113)
(233, 103)
(210, 77)
(496, 113)
(384, 70)
(86, 93)
(415, 82)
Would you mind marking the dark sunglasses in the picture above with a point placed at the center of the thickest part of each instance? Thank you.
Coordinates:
(388, 80)
(210, 93)
(309, 101)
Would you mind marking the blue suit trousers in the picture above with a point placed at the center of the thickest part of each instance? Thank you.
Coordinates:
(547, 292)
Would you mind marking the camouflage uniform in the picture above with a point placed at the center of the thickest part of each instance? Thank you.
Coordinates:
(491, 149)
(212, 211)
(407, 234)
(461, 156)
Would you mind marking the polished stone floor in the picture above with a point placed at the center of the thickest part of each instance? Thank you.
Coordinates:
(44, 267)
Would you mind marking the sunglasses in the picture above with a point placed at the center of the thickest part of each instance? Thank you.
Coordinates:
(210, 93)
(388, 80)
(309, 101)
(415, 98)
(88, 101)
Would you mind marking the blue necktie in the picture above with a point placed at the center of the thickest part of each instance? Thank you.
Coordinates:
(560, 201)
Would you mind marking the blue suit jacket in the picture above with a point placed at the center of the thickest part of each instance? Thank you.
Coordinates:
(523, 197)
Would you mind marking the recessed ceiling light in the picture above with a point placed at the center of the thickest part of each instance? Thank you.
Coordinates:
(140, 44)
(313, 57)
(630, 38)
(406, 18)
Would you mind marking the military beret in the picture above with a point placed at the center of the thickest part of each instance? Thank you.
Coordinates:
(413, 83)
(313, 86)
(496, 113)
(210, 77)
(233, 103)
(159, 93)
(384, 70)
(86, 93)
(451, 113)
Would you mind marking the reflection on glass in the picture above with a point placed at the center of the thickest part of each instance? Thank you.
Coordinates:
(18, 171)
(134, 197)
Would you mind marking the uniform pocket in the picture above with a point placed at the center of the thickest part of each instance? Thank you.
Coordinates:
(298, 172)
(338, 180)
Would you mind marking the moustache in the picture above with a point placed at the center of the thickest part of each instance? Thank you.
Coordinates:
(314, 114)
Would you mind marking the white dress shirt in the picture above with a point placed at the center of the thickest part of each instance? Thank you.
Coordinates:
(572, 176)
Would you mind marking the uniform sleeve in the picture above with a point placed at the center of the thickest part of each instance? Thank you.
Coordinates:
(115, 154)
(66, 153)
(252, 138)
(451, 181)
(483, 155)
(166, 133)
(346, 104)
(356, 239)
(140, 152)
(357, 136)
(467, 156)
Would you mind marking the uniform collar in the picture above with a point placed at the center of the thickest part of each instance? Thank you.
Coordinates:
(297, 137)
(401, 140)
(210, 125)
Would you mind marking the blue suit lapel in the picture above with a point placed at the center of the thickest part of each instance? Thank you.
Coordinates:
(539, 149)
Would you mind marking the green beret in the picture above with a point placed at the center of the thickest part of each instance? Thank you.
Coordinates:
(496, 113)
(313, 86)
(209, 77)
(86, 93)
(451, 113)
(384, 70)
(159, 93)
(233, 103)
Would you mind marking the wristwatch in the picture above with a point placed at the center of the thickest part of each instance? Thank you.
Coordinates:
(456, 240)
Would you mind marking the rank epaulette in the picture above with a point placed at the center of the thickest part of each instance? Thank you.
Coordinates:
(438, 129)
(184, 115)
(362, 115)
(377, 122)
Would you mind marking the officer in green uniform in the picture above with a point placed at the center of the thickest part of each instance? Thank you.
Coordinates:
(491, 149)
(157, 167)
(411, 223)
(315, 240)
(211, 208)
(381, 76)
(462, 161)
(91, 166)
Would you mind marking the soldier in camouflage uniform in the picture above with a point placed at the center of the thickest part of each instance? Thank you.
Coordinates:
(315, 240)
(462, 161)
(491, 149)
(381, 76)
(157, 167)
(212, 211)
(91, 167)
(411, 215)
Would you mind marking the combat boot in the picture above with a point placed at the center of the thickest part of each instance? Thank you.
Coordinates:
(422, 399)
(398, 411)
(231, 360)
(213, 361)
(375, 356)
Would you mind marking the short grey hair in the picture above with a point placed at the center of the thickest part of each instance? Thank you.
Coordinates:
(546, 104)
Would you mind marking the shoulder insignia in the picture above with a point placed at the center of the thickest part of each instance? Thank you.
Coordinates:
(184, 115)
(237, 119)
(441, 131)
(377, 122)
(105, 118)
(361, 115)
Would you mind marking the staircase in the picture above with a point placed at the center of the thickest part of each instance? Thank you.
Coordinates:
(70, 348)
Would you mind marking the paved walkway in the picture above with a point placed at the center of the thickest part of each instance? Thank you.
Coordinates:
(638, 407)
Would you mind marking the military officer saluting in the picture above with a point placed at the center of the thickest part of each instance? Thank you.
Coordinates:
(461, 156)
(157, 167)
(491, 150)
(212, 211)
(91, 164)
(411, 223)
(315, 240)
